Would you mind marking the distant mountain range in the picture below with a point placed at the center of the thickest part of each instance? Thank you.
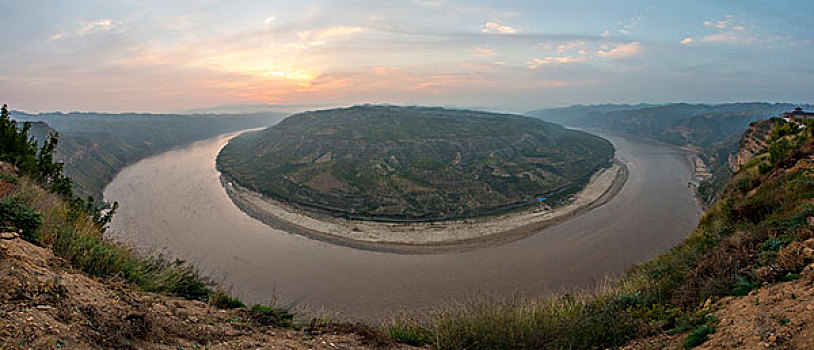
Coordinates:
(254, 108)
(712, 129)
(679, 123)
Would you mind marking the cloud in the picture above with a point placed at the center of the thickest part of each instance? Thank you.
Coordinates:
(330, 32)
(312, 38)
(483, 52)
(57, 36)
(537, 62)
(605, 34)
(628, 27)
(632, 49)
(102, 25)
(429, 3)
(497, 28)
(269, 19)
(728, 30)
(571, 45)
(720, 24)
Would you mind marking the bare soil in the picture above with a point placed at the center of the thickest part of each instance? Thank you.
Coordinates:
(44, 303)
(775, 316)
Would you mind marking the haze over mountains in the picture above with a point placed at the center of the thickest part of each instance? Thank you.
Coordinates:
(712, 129)
(95, 146)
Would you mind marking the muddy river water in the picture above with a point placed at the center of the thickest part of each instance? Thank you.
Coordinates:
(173, 204)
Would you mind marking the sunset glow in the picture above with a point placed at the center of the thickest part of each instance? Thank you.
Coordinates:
(512, 55)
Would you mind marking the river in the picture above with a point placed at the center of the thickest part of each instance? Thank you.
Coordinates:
(173, 204)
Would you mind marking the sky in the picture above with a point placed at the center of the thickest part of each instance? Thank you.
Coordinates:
(512, 55)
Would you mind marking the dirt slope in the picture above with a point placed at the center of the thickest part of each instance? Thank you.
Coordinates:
(45, 304)
(776, 316)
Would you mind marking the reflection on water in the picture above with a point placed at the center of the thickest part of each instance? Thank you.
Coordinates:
(174, 204)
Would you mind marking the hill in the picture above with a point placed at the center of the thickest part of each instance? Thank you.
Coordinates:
(96, 146)
(712, 130)
(412, 163)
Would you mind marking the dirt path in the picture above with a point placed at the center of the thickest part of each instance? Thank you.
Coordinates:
(427, 238)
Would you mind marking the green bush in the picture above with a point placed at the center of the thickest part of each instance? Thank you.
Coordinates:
(410, 331)
(16, 215)
(790, 277)
(97, 257)
(271, 316)
(224, 301)
(698, 336)
(742, 286)
(765, 168)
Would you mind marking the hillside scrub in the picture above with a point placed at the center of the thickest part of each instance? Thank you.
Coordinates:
(36, 199)
(751, 236)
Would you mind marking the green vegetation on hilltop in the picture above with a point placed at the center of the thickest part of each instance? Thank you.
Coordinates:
(412, 163)
(752, 235)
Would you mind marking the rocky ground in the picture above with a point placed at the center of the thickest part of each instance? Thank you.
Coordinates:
(45, 304)
(775, 316)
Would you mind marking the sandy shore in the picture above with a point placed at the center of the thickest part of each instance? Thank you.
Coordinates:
(432, 237)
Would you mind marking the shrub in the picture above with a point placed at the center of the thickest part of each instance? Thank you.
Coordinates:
(765, 168)
(742, 286)
(791, 258)
(224, 301)
(97, 257)
(16, 215)
(790, 277)
(271, 316)
(698, 336)
(409, 331)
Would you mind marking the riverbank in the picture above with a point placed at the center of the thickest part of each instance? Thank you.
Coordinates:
(426, 237)
(174, 204)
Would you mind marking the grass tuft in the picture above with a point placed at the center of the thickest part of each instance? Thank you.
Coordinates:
(698, 336)
(224, 301)
(272, 316)
(72, 235)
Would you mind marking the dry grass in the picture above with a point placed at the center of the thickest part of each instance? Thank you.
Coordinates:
(71, 233)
